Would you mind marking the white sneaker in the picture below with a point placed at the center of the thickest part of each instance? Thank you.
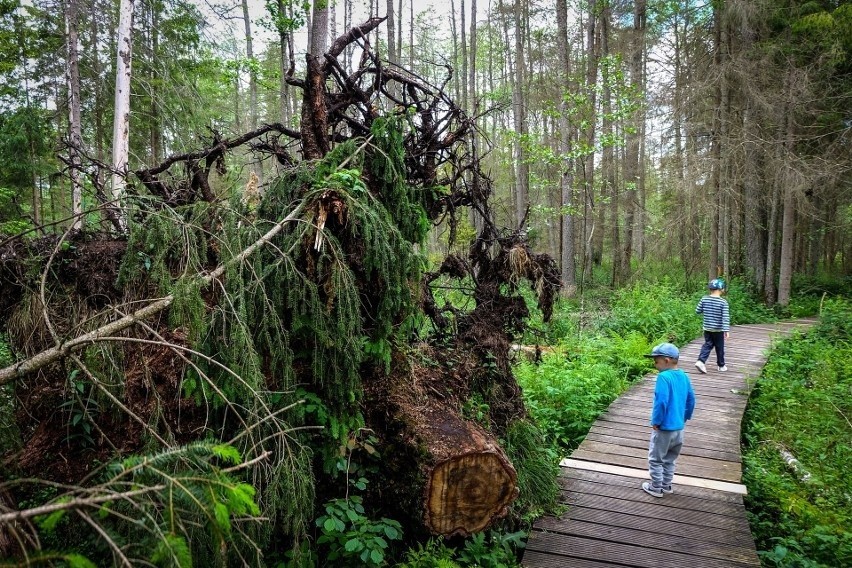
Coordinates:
(701, 366)
(668, 489)
(723, 368)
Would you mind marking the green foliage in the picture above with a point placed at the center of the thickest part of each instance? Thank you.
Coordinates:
(537, 465)
(483, 550)
(802, 405)
(659, 310)
(565, 393)
(9, 434)
(351, 537)
(175, 508)
(26, 147)
(494, 550)
(433, 554)
(745, 303)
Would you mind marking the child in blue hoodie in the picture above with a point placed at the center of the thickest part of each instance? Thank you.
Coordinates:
(674, 401)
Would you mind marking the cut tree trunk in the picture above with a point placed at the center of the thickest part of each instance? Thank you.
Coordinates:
(470, 482)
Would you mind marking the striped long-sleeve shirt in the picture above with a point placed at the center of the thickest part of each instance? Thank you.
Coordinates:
(716, 314)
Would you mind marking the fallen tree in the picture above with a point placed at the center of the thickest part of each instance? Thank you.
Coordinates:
(312, 289)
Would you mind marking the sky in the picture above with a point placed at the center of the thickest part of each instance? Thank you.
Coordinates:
(234, 26)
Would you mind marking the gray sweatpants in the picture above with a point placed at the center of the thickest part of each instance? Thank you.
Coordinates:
(662, 453)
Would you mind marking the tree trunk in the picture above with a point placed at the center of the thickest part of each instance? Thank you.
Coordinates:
(716, 149)
(592, 59)
(156, 126)
(121, 127)
(469, 480)
(76, 132)
(754, 210)
(632, 165)
(391, 23)
(566, 178)
(788, 223)
(520, 121)
(284, 37)
(463, 75)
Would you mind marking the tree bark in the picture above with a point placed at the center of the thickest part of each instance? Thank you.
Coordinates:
(592, 59)
(520, 122)
(75, 127)
(788, 223)
(566, 177)
(121, 127)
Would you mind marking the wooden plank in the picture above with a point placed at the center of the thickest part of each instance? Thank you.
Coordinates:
(690, 470)
(625, 481)
(646, 538)
(655, 508)
(621, 554)
(642, 453)
(635, 493)
(661, 526)
(642, 473)
(688, 449)
(547, 560)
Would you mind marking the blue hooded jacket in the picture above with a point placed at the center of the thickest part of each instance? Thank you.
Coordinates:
(674, 400)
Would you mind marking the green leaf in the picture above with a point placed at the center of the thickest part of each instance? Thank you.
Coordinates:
(329, 525)
(391, 532)
(376, 556)
(172, 550)
(227, 453)
(222, 517)
(78, 561)
(49, 522)
(353, 545)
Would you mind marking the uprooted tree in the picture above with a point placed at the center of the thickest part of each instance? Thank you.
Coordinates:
(176, 376)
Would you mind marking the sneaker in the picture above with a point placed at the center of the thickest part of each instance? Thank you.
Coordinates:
(701, 366)
(651, 490)
(668, 489)
(723, 368)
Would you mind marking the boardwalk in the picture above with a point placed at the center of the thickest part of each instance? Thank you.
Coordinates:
(610, 521)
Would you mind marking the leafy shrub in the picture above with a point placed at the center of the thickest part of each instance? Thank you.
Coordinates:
(746, 304)
(658, 310)
(433, 554)
(495, 550)
(566, 393)
(801, 515)
(351, 537)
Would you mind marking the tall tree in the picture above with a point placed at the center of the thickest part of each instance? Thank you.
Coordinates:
(121, 125)
(75, 127)
(519, 115)
(566, 178)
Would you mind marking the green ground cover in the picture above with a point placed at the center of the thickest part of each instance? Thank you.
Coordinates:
(801, 512)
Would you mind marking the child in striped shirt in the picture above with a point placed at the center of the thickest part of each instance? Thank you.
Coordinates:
(717, 324)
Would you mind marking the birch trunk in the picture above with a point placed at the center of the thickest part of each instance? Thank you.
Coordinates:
(121, 126)
(75, 129)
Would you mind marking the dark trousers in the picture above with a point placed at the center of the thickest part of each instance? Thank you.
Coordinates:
(713, 339)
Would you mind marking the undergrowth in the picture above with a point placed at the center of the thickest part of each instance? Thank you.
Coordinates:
(801, 511)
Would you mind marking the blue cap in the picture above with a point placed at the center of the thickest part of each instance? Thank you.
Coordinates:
(665, 350)
(716, 284)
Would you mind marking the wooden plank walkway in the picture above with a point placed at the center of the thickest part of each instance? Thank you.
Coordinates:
(610, 521)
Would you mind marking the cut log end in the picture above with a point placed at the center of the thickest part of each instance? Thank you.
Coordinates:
(466, 493)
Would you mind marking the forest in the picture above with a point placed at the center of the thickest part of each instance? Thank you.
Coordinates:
(338, 283)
